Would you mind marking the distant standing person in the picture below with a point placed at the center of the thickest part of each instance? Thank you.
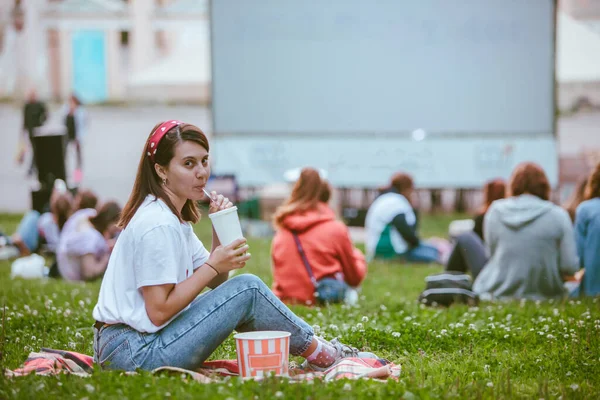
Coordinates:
(34, 116)
(76, 120)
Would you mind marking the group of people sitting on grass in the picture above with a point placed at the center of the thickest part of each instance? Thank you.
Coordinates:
(76, 232)
(153, 311)
(521, 246)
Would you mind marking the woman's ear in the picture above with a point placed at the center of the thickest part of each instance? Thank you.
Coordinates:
(160, 171)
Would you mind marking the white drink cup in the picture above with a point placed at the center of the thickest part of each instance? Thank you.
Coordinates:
(227, 225)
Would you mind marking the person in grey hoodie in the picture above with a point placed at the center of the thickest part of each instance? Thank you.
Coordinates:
(531, 242)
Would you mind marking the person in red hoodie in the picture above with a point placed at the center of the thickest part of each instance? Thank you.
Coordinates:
(313, 258)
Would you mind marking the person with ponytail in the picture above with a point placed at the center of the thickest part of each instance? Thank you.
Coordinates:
(311, 245)
(151, 311)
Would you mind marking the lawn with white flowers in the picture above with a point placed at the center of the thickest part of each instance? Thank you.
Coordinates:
(496, 350)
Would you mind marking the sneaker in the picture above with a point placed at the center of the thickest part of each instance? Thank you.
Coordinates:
(343, 351)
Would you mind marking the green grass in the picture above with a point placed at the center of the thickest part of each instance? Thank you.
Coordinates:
(497, 350)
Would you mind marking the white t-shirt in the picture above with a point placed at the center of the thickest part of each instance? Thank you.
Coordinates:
(154, 249)
(78, 238)
(381, 214)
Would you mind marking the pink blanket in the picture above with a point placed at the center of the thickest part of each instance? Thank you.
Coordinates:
(51, 362)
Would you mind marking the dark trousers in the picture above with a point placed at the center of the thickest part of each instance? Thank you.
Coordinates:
(468, 255)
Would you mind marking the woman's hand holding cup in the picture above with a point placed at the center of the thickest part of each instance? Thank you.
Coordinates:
(230, 257)
(218, 202)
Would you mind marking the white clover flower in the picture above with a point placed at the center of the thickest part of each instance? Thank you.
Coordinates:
(569, 373)
(365, 318)
(72, 345)
(278, 394)
(438, 336)
(546, 327)
(459, 325)
(574, 386)
(34, 313)
(396, 334)
(506, 336)
(490, 384)
(472, 326)
(555, 312)
(81, 303)
(486, 368)
(26, 307)
(407, 318)
(444, 331)
(333, 327)
(67, 313)
(33, 338)
(550, 337)
(566, 336)
(383, 307)
(359, 326)
(317, 329)
(347, 387)
(561, 321)
(78, 335)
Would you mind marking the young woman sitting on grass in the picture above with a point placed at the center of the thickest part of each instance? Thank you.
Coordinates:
(150, 312)
(330, 258)
(587, 236)
(86, 242)
(531, 241)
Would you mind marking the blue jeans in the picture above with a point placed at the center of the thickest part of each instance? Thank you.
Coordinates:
(28, 230)
(423, 253)
(243, 303)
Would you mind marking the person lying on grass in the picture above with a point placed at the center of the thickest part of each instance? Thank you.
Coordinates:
(150, 312)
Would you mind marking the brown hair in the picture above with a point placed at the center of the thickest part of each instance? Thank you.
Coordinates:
(107, 215)
(61, 208)
(592, 189)
(306, 194)
(147, 180)
(401, 182)
(85, 199)
(529, 178)
(492, 191)
(576, 198)
(325, 192)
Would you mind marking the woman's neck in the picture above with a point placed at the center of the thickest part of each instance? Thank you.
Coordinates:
(177, 202)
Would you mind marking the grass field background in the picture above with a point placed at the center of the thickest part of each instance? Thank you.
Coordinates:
(518, 349)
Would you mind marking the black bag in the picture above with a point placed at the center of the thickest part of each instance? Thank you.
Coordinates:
(447, 288)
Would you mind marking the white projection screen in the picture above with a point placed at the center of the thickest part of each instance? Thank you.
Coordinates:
(343, 84)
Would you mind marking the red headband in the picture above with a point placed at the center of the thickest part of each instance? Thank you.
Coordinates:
(157, 136)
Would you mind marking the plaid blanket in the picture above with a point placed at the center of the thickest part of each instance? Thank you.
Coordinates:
(51, 362)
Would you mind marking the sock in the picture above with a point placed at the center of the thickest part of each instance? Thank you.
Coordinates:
(324, 355)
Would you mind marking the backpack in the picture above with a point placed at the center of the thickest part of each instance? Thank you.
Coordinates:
(447, 288)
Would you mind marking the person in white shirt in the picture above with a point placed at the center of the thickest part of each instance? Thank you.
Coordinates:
(150, 312)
